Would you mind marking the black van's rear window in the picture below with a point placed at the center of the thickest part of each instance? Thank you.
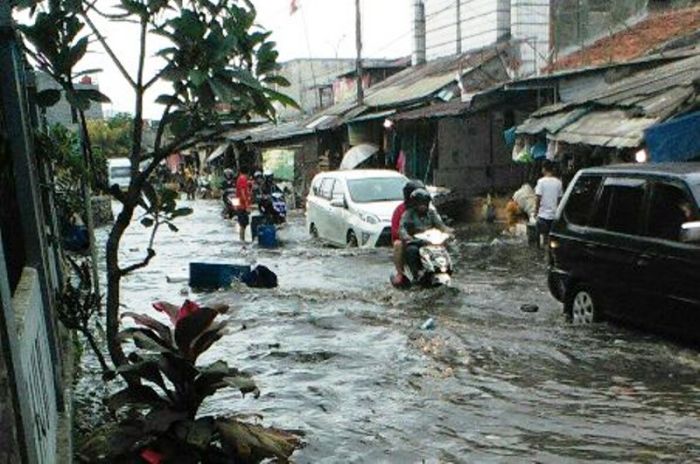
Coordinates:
(620, 206)
(581, 200)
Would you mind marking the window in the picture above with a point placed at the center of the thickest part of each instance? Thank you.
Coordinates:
(338, 191)
(581, 200)
(327, 188)
(316, 187)
(669, 208)
(376, 189)
(620, 206)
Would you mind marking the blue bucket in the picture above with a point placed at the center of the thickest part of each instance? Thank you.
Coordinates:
(215, 276)
(267, 236)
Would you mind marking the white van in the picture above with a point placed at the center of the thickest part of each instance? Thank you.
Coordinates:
(119, 172)
(354, 207)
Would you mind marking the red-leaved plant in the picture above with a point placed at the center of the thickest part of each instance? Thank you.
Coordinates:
(157, 416)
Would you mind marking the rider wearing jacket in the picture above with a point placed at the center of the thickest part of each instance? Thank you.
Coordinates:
(399, 246)
(418, 218)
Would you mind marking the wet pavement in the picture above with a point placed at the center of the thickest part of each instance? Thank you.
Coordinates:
(339, 354)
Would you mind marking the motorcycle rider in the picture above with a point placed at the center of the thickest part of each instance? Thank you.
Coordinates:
(418, 218)
(400, 279)
(228, 188)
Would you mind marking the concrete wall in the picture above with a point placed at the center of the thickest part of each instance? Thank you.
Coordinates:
(530, 23)
(580, 22)
(9, 446)
(61, 112)
(35, 357)
(472, 156)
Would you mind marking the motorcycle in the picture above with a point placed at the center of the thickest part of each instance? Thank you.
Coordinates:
(435, 262)
(231, 204)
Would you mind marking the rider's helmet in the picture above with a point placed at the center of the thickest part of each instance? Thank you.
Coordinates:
(420, 197)
(228, 173)
(268, 175)
(257, 175)
(410, 186)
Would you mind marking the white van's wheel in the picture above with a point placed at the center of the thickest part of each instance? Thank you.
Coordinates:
(313, 231)
(352, 240)
(583, 307)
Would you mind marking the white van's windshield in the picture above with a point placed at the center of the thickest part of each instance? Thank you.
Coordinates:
(376, 189)
(120, 171)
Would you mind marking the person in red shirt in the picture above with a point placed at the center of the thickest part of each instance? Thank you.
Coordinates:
(243, 193)
(400, 278)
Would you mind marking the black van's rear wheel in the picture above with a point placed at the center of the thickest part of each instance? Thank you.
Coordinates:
(582, 306)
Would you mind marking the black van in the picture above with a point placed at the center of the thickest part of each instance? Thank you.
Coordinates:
(626, 245)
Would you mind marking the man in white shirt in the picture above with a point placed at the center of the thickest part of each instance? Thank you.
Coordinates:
(549, 191)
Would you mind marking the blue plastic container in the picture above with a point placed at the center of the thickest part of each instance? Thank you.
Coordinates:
(255, 222)
(267, 236)
(213, 276)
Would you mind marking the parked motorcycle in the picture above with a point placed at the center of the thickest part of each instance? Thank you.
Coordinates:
(435, 262)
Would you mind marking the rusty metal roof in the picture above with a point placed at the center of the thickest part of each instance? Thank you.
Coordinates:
(271, 132)
(617, 115)
(647, 35)
(422, 84)
(438, 110)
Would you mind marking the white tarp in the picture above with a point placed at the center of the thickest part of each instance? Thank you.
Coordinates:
(218, 152)
(358, 155)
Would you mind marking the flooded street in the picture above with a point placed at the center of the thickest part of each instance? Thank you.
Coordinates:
(339, 354)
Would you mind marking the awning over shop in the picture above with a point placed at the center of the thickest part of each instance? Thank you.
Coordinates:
(676, 140)
(358, 155)
(613, 128)
(218, 152)
(372, 116)
(551, 123)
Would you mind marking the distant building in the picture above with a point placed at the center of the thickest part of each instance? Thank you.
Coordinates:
(62, 112)
(374, 71)
(316, 84)
(545, 29)
(311, 83)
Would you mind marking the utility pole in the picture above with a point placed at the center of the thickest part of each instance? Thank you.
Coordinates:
(459, 27)
(358, 40)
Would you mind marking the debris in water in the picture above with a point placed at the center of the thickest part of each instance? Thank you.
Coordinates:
(529, 308)
(176, 279)
(428, 325)
(184, 291)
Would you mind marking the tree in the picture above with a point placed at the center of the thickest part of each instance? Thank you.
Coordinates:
(111, 137)
(215, 54)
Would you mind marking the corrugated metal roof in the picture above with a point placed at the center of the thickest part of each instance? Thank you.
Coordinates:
(551, 123)
(421, 84)
(612, 128)
(617, 115)
(372, 116)
(271, 132)
(439, 110)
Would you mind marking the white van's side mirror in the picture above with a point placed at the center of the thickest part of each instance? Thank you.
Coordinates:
(338, 203)
(690, 232)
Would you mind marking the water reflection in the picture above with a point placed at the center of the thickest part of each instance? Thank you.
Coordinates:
(338, 353)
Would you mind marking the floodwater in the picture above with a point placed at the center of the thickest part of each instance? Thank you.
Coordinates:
(339, 354)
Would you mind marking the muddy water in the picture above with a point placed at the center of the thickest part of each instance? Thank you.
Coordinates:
(340, 355)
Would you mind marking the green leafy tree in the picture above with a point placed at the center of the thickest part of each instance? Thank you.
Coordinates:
(216, 54)
(111, 137)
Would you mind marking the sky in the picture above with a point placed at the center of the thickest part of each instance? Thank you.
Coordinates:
(319, 29)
